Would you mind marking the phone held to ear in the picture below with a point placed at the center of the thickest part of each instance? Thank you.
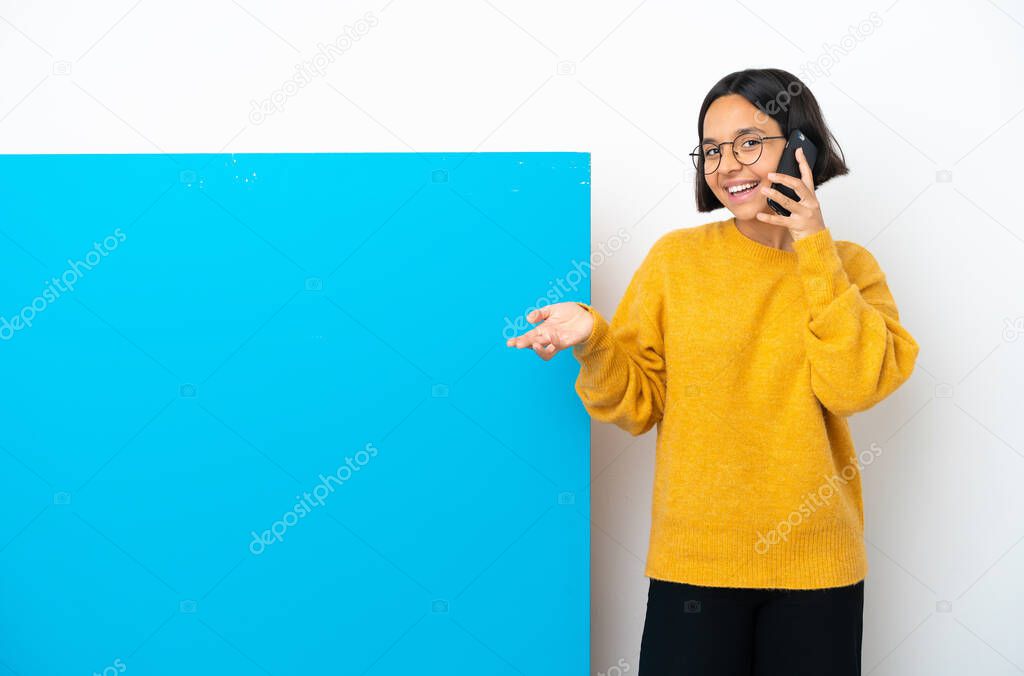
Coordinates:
(789, 166)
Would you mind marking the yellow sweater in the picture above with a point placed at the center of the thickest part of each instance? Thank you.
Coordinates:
(749, 359)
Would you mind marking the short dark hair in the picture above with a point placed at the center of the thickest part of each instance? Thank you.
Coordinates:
(784, 98)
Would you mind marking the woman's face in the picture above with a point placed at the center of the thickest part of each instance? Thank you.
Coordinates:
(726, 117)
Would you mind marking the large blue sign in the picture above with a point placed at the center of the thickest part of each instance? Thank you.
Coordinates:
(259, 416)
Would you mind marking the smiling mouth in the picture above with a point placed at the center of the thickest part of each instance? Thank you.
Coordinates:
(742, 189)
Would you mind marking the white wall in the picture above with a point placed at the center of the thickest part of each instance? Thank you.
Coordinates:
(933, 87)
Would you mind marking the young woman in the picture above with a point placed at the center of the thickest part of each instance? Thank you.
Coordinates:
(748, 342)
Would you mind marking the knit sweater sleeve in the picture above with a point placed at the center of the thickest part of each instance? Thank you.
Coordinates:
(622, 364)
(859, 353)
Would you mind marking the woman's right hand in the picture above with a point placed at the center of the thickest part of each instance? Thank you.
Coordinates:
(562, 325)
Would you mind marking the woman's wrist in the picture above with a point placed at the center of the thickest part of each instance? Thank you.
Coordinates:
(593, 328)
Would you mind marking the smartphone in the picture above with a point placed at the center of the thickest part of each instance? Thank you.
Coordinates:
(789, 166)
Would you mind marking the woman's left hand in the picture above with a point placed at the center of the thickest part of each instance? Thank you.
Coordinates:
(804, 216)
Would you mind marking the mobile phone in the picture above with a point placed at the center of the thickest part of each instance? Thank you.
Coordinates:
(789, 166)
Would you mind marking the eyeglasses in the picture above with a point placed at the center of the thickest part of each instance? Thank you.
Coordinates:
(746, 148)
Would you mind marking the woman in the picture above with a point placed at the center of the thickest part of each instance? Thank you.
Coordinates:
(748, 341)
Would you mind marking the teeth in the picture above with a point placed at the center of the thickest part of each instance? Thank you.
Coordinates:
(737, 188)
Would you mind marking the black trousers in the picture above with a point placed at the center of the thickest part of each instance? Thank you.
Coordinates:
(720, 631)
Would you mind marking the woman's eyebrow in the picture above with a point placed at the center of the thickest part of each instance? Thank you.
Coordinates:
(744, 130)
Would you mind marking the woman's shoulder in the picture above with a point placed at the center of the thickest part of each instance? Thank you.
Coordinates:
(855, 256)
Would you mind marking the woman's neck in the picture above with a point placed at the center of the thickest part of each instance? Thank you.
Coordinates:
(774, 236)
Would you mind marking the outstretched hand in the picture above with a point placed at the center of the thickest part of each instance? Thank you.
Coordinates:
(562, 325)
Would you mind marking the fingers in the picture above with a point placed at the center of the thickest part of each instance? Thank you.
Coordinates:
(538, 315)
(537, 337)
(542, 339)
(546, 339)
(543, 345)
(791, 205)
(545, 353)
(525, 340)
(774, 219)
(806, 173)
(795, 183)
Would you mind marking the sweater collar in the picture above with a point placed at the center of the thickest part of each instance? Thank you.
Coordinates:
(737, 242)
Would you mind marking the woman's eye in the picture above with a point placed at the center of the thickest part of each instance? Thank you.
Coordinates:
(710, 152)
(751, 143)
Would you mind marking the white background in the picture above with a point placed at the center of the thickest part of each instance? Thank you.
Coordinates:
(934, 87)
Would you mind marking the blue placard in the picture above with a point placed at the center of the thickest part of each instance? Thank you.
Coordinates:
(260, 417)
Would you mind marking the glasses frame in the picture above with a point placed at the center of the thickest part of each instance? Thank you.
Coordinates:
(698, 157)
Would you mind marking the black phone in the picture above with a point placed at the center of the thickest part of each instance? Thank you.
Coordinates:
(789, 166)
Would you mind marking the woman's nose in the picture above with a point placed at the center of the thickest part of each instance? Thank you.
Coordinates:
(728, 162)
